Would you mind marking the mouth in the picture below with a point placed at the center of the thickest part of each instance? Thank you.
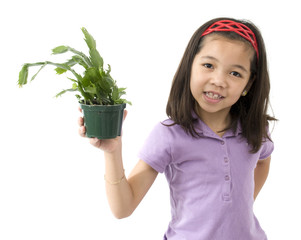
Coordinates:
(213, 95)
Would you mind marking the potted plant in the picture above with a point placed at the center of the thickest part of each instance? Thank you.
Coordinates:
(98, 94)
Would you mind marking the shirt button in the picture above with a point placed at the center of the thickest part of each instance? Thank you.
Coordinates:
(223, 142)
(226, 197)
(227, 177)
(226, 160)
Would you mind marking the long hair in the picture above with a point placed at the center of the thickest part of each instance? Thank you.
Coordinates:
(250, 110)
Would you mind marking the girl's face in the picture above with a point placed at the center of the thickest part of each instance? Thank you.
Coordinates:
(220, 73)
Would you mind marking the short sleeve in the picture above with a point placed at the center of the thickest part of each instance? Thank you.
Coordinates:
(156, 150)
(266, 149)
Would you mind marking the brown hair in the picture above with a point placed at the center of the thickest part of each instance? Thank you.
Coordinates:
(250, 110)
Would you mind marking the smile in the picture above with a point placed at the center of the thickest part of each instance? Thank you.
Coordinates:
(213, 96)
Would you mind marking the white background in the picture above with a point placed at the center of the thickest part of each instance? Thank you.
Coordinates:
(51, 180)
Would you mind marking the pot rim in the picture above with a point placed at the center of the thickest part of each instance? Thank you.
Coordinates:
(109, 108)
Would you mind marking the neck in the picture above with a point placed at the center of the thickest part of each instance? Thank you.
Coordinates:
(217, 121)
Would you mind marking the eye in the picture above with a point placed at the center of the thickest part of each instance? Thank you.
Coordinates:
(236, 74)
(208, 65)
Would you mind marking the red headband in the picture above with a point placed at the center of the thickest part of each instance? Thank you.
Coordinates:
(231, 26)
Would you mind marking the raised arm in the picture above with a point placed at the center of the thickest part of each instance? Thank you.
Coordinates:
(124, 194)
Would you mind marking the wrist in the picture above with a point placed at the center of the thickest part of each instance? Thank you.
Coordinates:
(114, 164)
(115, 182)
(113, 155)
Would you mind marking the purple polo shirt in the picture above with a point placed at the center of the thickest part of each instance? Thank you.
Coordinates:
(211, 182)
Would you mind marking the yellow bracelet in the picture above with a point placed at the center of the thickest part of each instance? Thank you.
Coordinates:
(114, 183)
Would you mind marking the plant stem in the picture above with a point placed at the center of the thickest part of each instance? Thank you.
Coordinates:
(85, 58)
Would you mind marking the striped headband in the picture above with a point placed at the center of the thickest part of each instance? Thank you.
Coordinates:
(231, 26)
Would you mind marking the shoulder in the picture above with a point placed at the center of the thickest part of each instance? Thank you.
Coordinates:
(160, 131)
(156, 150)
(166, 126)
(171, 129)
(166, 134)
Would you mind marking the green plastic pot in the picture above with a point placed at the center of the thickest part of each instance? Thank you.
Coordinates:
(103, 121)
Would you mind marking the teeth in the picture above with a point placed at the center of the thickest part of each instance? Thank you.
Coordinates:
(212, 95)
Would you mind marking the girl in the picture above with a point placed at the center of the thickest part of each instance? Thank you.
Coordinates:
(215, 148)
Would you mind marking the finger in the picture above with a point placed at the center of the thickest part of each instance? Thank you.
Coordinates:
(80, 121)
(82, 131)
(95, 142)
(79, 108)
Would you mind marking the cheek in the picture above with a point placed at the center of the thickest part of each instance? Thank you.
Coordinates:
(195, 87)
(236, 93)
(196, 81)
(235, 98)
(192, 89)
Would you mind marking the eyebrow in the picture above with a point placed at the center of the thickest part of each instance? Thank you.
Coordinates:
(235, 65)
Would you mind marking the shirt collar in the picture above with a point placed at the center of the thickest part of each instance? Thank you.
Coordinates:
(203, 129)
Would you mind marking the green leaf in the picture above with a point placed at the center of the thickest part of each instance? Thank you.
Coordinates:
(89, 39)
(23, 74)
(59, 65)
(70, 63)
(105, 100)
(126, 101)
(63, 49)
(78, 76)
(60, 49)
(120, 101)
(85, 95)
(60, 70)
(79, 59)
(64, 91)
(34, 76)
(115, 93)
(85, 81)
(83, 56)
(121, 90)
(92, 74)
(105, 86)
(91, 89)
(73, 80)
(109, 69)
(96, 59)
(109, 81)
(95, 87)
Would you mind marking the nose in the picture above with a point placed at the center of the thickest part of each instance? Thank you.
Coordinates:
(219, 79)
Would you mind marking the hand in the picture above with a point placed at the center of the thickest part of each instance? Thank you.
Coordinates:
(107, 145)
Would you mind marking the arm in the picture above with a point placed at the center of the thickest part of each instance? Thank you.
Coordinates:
(260, 174)
(125, 195)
